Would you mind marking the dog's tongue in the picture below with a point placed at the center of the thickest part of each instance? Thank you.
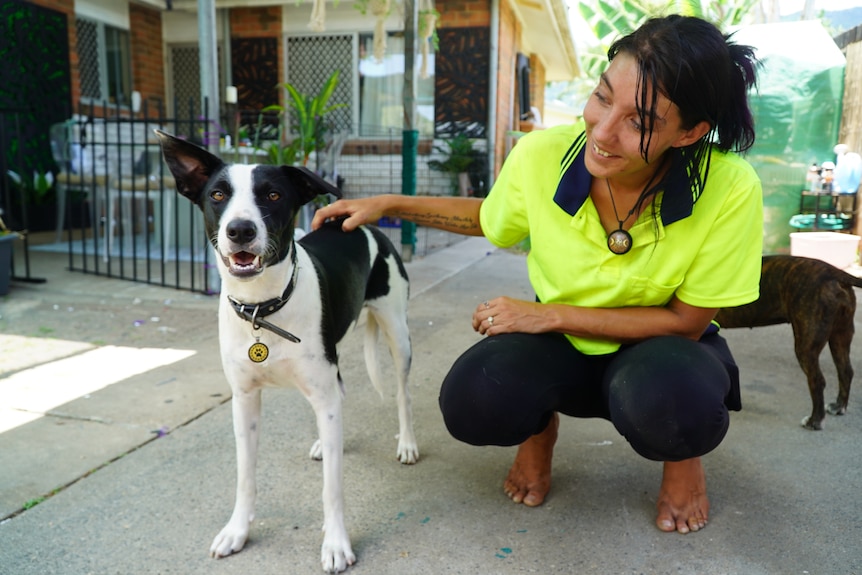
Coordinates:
(243, 258)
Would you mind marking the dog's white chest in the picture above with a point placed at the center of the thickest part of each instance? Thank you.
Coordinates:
(255, 358)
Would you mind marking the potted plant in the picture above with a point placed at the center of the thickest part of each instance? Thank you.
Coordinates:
(38, 194)
(307, 121)
(459, 157)
(308, 113)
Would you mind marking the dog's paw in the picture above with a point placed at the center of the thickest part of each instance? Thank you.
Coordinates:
(316, 451)
(836, 408)
(336, 556)
(230, 540)
(808, 423)
(408, 451)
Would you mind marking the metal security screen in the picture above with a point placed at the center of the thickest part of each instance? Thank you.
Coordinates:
(185, 72)
(88, 58)
(186, 77)
(312, 59)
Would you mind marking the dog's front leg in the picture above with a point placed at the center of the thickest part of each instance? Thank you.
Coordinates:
(246, 428)
(336, 553)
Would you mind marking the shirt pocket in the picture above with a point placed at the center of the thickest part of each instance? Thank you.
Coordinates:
(648, 292)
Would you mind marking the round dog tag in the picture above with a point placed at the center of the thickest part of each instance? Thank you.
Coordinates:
(258, 352)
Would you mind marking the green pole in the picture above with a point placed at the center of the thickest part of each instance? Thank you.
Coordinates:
(409, 150)
(410, 135)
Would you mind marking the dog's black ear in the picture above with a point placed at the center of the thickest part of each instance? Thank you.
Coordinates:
(190, 165)
(308, 184)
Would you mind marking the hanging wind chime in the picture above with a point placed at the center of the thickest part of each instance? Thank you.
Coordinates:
(380, 9)
(318, 16)
(427, 26)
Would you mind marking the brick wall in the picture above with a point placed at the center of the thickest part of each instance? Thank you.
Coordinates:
(464, 13)
(507, 118)
(148, 64)
(537, 84)
(255, 22)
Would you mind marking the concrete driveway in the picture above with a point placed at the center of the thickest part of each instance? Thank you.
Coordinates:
(144, 467)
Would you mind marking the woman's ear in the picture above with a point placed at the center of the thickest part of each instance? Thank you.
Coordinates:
(692, 135)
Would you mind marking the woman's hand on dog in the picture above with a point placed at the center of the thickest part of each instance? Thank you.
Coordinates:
(354, 212)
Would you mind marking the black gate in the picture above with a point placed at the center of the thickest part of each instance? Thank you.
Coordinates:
(119, 212)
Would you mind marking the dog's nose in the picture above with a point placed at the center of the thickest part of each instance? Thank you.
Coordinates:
(241, 231)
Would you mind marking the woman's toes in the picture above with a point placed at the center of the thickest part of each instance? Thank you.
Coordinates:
(665, 523)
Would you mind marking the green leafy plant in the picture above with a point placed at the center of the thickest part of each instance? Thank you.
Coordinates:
(459, 159)
(459, 155)
(38, 190)
(307, 115)
(31, 503)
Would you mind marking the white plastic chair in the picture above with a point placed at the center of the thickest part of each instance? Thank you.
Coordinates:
(78, 171)
(125, 192)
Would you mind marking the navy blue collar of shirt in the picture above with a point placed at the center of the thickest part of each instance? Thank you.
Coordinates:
(574, 186)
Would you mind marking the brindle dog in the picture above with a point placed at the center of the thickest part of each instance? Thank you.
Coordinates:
(818, 301)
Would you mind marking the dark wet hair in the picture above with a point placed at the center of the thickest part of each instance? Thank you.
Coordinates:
(707, 76)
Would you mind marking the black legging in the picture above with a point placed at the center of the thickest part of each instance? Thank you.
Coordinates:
(665, 395)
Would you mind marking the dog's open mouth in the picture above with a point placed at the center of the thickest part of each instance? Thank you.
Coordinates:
(244, 263)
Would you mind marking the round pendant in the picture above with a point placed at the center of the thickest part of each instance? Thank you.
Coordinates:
(620, 242)
(258, 352)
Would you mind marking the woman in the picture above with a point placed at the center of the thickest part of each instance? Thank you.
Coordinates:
(642, 223)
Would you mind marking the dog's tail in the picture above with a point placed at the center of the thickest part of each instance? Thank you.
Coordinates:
(853, 279)
(372, 364)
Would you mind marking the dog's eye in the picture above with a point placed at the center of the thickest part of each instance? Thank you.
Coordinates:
(217, 195)
(274, 196)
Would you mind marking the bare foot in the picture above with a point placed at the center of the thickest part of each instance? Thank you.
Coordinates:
(682, 502)
(529, 478)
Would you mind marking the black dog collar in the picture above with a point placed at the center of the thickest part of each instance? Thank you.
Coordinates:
(256, 312)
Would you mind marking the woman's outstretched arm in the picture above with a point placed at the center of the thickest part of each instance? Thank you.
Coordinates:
(452, 214)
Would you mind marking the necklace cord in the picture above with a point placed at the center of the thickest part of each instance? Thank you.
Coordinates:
(647, 190)
(614, 205)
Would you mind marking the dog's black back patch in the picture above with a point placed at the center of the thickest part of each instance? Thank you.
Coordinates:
(379, 282)
(344, 262)
(347, 275)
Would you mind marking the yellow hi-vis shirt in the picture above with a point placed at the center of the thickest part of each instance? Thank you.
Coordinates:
(706, 252)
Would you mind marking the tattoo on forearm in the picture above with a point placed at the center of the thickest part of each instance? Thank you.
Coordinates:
(439, 220)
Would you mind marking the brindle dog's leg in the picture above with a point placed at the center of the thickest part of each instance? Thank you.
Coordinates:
(839, 346)
(809, 340)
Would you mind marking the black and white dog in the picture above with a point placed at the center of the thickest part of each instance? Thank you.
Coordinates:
(284, 307)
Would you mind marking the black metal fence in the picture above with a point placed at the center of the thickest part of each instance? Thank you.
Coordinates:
(118, 212)
(14, 173)
(116, 209)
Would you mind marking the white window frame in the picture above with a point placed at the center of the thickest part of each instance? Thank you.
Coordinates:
(102, 65)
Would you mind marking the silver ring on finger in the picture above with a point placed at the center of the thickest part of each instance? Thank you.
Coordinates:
(486, 304)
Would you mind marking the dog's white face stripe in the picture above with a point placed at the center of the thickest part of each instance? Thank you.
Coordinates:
(242, 203)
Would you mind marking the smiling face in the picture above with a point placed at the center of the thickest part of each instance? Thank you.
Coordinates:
(249, 213)
(614, 127)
